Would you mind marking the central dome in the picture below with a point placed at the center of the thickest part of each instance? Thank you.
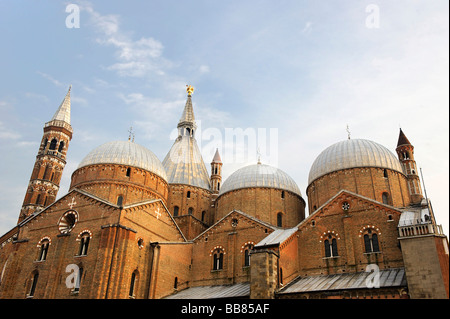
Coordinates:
(353, 153)
(259, 175)
(125, 153)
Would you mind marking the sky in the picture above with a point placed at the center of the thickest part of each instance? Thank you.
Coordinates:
(293, 76)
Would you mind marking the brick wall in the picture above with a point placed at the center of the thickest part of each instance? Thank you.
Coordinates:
(367, 181)
(264, 204)
(233, 241)
(348, 228)
(108, 181)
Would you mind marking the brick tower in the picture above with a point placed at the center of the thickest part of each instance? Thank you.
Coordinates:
(405, 152)
(50, 161)
(216, 172)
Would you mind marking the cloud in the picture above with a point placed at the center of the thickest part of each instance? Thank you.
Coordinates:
(78, 100)
(135, 58)
(7, 134)
(204, 69)
(308, 27)
(35, 96)
(51, 79)
(154, 113)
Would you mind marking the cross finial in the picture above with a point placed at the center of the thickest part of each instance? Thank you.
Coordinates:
(348, 131)
(131, 134)
(259, 155)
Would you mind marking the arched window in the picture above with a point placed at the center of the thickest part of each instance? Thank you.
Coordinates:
(281, 275)
(120, 200)
(53, 144)
(188, 195)
(247, 258)
(218, 186)
(84, 244)
(45, 143)
(218, 259)
(175, 283)
(128, 171)
(43, 250)
(385, 198)
(133, 282)
(176, 210)
(331, 247)
(279, 219)
(385, 174)
(190, 211)
(61, 146)
(203, 216)
(371, 244)
(33, 284)
(282, 194)
(76, 288)
(248, 248)
(38, 199)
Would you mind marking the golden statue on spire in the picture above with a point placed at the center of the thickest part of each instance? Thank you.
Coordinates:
(190, 89)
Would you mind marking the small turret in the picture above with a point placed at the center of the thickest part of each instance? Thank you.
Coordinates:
(405, 152)
(216, 172)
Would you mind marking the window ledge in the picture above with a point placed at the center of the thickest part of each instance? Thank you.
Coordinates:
(216, 270)
(332, 257)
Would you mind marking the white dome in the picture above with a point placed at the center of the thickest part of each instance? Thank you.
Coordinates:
(259, 175)
(353, 153)
(125, 153)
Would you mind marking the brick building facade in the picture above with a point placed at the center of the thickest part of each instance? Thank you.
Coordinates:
(134, 227)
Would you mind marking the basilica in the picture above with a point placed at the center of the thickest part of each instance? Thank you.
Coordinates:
(134, 227)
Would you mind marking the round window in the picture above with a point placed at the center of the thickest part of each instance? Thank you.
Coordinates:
(68, 221)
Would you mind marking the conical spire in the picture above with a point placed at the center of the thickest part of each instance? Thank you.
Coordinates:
(187, 118)
(402, 139)
(217, 158)
(63, 112)
(188, 112)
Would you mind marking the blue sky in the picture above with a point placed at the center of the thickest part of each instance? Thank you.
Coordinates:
(304, 68)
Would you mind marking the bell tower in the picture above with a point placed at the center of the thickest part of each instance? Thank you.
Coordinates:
(405, 152)
(216, 172)
(50, 161)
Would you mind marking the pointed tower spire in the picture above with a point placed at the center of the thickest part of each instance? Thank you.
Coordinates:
(50, 161)
(405, 152)
(63, 112)
(402, 139)
(187, 126)
(216, 158)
